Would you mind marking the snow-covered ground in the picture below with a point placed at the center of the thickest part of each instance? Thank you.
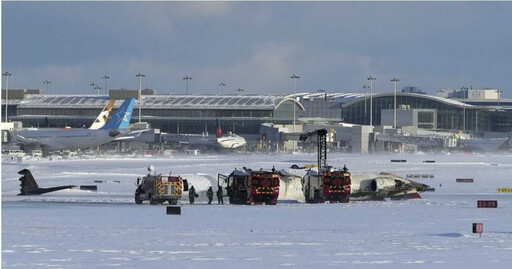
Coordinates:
(79, 229)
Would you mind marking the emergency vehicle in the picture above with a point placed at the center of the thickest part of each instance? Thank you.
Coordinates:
(251, 186)
(325, 183)
(159, 188)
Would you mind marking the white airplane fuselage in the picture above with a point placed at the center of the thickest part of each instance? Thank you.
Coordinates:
(231, 141)
(53, 140)
(363, 186)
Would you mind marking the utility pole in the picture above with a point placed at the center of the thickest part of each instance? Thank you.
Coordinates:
(105, 77)
(187, 78)
(371, 79)
(365, 114)
(140, 76)
(6, 75)
(240, 90)
(394, 80)
(46, 83)
(294, 78)
(221, 85)
(464, 89)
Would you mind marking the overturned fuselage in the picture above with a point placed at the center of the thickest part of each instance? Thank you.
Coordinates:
(363, 187)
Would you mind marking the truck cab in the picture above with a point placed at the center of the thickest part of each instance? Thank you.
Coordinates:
(326, 184)
(159, 189)
(248, 186)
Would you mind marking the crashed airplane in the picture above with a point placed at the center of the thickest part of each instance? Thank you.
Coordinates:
(29, 185)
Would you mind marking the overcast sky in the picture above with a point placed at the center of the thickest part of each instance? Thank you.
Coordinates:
(257, 46)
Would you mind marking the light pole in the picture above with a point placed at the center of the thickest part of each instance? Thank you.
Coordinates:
(221, 85)
(140, 76)
(499, 94)
(240, 90)
(93, 85)
(105, 77)
(46, 83)
(294, 78)
(365, 87)
(98, 88)
(394, 80)
(371, 79)
(6, 75)
(187, 78)
(464, 89)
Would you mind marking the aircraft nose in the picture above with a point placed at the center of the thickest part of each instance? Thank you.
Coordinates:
(113, 133)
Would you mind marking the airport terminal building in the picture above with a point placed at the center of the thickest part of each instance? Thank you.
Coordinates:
(449, 113)
(243, 114)
(195, 114)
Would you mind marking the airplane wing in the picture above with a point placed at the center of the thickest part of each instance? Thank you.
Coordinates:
(132, 134)
(27, 141)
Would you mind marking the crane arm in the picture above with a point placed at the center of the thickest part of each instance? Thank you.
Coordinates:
(321, 146)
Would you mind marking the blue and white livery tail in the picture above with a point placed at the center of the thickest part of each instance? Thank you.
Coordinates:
(121, 119)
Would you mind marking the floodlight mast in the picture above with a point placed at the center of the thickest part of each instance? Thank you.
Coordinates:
(46, 83)
(394, 80)
(140, 76)
(371, 79)
(105, 77)
(187, 78)
(6, 75)
(294, 78)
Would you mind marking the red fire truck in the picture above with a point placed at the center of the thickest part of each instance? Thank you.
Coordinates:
(249, 186)
(329, 185)
(325, 183)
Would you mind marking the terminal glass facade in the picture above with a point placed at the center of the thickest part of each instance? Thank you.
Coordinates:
(450, 116)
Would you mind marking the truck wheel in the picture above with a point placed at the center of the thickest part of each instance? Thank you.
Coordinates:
(137, 199)
(151, 200)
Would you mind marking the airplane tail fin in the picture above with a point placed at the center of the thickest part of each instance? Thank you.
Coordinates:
(102, 118)
(27, 181)
(121, 119)
(218, 132)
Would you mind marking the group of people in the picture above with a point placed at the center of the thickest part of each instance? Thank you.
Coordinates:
(209, 193)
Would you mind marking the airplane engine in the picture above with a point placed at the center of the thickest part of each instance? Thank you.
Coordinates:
(380, 185)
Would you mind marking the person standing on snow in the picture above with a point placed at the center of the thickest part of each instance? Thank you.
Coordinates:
(192, 194)
(219, 195)
(209, 194)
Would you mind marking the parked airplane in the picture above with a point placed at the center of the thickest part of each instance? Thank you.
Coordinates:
(102, 118)
(219, 141)
(61, 139)
(231, 141)
(29, 185)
